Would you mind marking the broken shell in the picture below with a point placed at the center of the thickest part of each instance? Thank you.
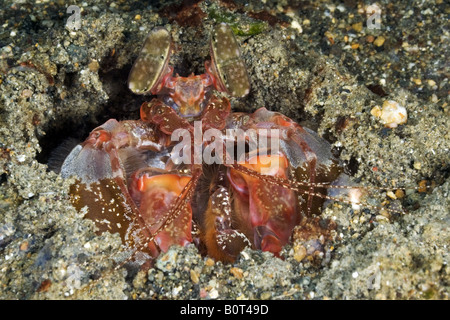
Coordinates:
(391, 114)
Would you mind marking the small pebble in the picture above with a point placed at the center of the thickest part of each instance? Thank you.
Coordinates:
(330, 37)
(399, 193)
(237, 273)
(44, 286)
(24, 246)
(379, 41)
(26, 93)
(391, 195)
(376, 111)
(194, 276)
(94, 66)
(214, 294)
(385, 213)
(380, 218)
(168, 261)
(209, 262)
(7, 49)
(417, 81)
(423, 186)
(266, 295)
(357, 26)
(176, 290)
(297, 26)
(299, 253)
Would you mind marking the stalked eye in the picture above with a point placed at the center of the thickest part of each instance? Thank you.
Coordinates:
(227, 60)
(148, 70)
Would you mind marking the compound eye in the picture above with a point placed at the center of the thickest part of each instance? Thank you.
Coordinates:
(228, 63)
(149, 68)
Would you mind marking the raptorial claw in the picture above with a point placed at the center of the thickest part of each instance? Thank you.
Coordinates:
(270, 210)
(154, 194)
(223, 241)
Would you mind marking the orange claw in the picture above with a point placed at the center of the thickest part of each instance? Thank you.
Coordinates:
(274, 165)
(269, 210)
(170, 182)
(154, 195)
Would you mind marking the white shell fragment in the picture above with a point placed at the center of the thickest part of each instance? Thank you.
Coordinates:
(391, 114)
